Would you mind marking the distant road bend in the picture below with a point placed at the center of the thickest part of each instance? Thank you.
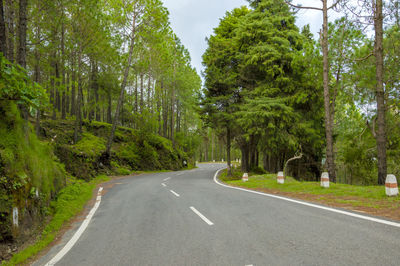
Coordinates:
(185, 218)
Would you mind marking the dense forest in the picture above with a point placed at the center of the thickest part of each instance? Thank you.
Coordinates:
(304, 104)
(102, 61)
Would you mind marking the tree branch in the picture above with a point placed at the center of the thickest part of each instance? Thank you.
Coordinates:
(365, 57)
(303, 7)
(295, 157)
(335, 4)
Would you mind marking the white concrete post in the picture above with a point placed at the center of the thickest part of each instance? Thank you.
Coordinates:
(391, 186)
(280, 178)
(15, 216)
(245, 177)
(325, 179)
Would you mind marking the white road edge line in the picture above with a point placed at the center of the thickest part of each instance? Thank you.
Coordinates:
(372, 219)
(173, 192)
(166, 179)
(201, 216)
(78, 233)
(164, 185)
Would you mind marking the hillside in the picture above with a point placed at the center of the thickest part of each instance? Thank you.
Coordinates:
(33, 170)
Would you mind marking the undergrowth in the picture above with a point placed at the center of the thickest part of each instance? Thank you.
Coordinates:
(70, 201)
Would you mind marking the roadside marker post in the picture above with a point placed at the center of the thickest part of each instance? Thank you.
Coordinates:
(391, 186)
(325, 180)
(280, 178)
(245, 177)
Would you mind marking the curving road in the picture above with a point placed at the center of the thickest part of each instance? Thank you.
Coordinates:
(191, 220)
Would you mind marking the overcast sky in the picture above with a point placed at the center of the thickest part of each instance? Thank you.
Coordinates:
(194, 20)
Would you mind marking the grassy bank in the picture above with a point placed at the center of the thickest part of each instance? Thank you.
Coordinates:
(70, 202)
(338, 194)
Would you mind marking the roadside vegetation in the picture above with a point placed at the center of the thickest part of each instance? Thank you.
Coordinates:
(70, 202)
(368, 199)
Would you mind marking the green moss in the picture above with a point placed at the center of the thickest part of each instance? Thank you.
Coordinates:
(123, 171)
(132, 149)
(27, 165)
(90, 145)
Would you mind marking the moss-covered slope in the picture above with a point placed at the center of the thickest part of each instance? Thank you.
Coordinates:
(30, 174)
(132, 150)
(32, 171)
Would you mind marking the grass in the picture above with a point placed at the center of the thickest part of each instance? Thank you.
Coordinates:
(357, 196)
(69, 203)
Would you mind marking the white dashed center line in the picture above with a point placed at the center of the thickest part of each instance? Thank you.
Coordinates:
(176, 194)
(166, 179)
(201, 216)
(164, 185)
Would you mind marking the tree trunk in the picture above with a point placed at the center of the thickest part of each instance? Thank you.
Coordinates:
(109, 106)
(178, 117)
(67, 97)
(159, 108)
(149, 93)
(327, 98)
(56, 104)
(228, 150)
(96, 93)
(121, 96)
(3, 37)
(165, 112)
(206, 151)
(22, 28)
(37, 80)
(78, 113)
(63, 102)
(173, 108)
(380, 94)
(141, 93)
(136, 94)
(73, 77)
(10, 29)
(245, 158)
(91, 92)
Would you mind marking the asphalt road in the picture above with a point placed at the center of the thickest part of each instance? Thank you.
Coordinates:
(194, 221)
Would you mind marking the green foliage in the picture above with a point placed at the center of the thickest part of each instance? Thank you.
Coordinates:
(16, 86)
(258, 83)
